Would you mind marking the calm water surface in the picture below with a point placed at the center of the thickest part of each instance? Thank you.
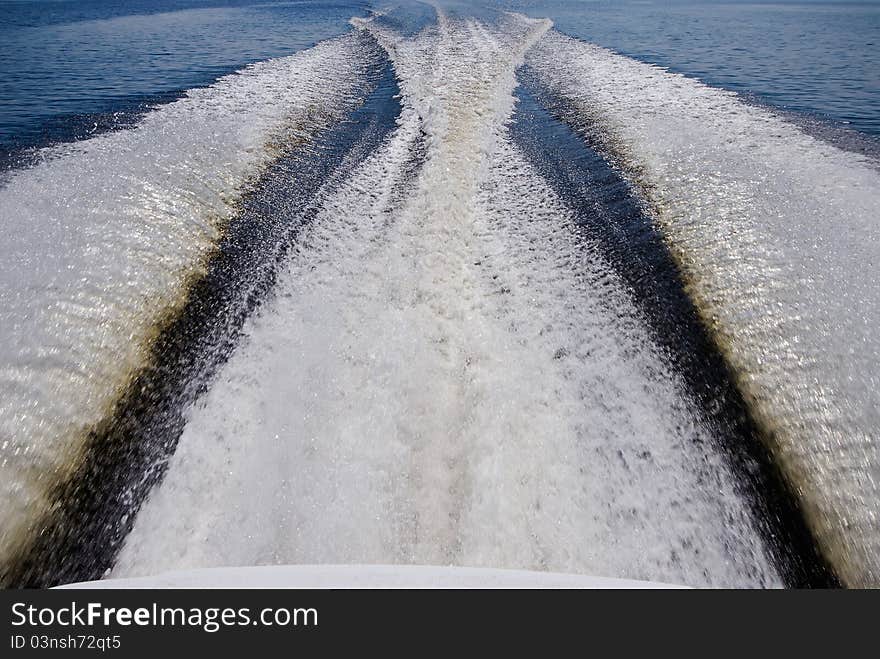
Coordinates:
(816, 58)
(69, 69)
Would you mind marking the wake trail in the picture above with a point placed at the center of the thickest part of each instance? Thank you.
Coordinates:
(449, 373)
(104, 239)
(777, 234)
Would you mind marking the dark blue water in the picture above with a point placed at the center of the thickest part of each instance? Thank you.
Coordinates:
(70, 68)
(817, 58)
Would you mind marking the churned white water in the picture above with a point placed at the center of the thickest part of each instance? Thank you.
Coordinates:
(101, 238)
(779, 235)
(448, 373)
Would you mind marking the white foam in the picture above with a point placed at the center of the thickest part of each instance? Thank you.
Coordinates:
(101, 238)
(449, 377)
(779, 235)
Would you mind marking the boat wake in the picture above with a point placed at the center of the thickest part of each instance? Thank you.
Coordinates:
(448, 365)
(777, 233)
(106, 236)
(450, 374)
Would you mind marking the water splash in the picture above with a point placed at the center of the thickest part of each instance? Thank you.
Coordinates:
(450, 374)
(777, 233)
(105, 236)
